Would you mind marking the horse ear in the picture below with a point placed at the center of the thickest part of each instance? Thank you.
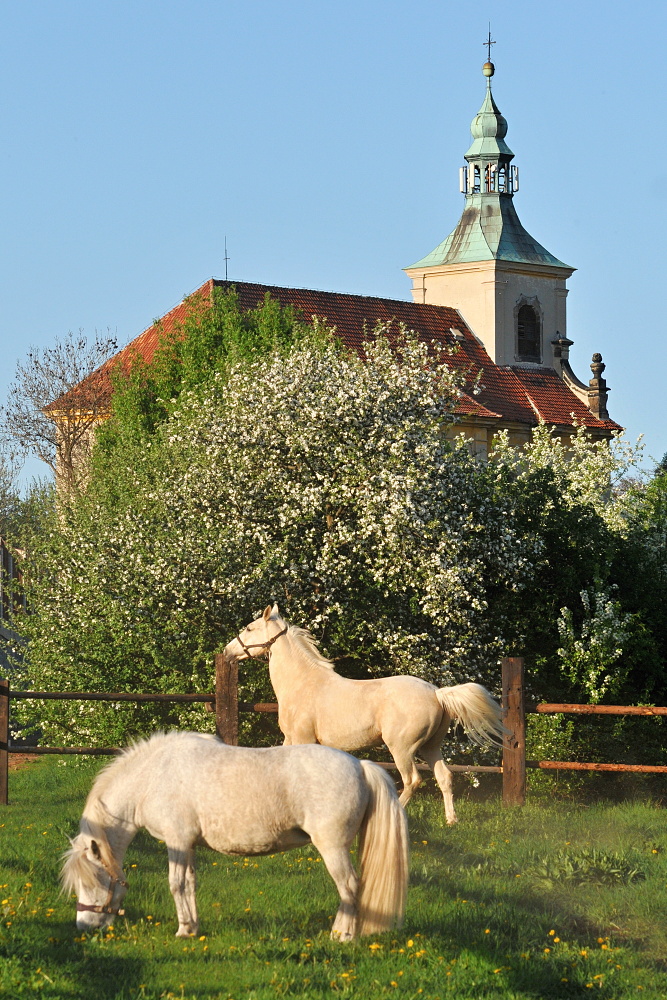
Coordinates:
(274, 610)
(267, 613)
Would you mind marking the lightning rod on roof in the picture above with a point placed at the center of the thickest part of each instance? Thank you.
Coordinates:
(226, 258)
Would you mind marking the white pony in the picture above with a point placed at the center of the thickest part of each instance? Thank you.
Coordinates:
(190, 788)
(407, 714)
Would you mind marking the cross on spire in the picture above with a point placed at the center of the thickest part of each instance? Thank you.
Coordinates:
(488, 44)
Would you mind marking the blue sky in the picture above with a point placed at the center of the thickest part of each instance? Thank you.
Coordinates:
(323, 141)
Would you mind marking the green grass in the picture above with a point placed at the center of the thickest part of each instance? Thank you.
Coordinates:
(555, 900)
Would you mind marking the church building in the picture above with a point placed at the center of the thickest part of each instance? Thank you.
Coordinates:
(489, 289)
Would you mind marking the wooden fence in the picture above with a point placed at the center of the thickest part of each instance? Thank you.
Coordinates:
(224, 702)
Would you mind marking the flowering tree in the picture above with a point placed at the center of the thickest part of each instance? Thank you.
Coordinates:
(588, 659)
(257, 460)
(317, 478)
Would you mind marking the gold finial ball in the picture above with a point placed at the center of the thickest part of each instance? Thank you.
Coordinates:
(488, 69)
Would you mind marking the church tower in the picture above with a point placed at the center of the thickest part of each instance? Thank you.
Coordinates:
(510, 290)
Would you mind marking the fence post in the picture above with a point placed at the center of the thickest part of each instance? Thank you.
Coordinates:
(227, 699)
(514, 747)
(4, 742)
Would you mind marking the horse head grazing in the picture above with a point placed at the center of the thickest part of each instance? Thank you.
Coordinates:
(92, 873)
(258, 637)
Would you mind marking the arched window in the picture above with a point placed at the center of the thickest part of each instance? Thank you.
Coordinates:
(528, 334)
(476, 180)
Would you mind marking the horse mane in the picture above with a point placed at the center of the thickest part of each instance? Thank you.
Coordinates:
(306, 644)
(77, 870)
(94, 809)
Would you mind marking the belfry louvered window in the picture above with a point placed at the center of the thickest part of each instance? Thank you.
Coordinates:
(528, 334)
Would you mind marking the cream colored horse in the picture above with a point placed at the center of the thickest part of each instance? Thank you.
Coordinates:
(189, 788)
(409, 715)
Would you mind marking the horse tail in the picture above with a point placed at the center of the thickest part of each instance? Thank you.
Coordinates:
(383, 855)
(475, 709)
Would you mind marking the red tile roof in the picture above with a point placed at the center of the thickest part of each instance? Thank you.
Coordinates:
(514, 394)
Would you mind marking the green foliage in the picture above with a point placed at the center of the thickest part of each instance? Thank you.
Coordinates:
(588, 658)
(212, 338)
(601, 561)
(588, 866)
(313, 476)
(255, 459)
(551, 737)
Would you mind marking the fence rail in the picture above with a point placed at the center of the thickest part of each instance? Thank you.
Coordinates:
(224, 702)
(545, 708)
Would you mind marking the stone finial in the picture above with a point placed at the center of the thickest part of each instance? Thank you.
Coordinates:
(598, 389)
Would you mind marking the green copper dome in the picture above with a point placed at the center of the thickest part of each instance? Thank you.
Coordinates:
(489, 228)
(489, 129)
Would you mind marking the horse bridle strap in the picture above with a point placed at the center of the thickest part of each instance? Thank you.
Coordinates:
(105, 907)
(260, 645)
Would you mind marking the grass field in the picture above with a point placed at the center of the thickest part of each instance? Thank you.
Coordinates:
(548, 901)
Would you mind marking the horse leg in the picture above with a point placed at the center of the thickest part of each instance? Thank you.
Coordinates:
(339, 866)
(404, 759)
(182, 885)
(433, 757)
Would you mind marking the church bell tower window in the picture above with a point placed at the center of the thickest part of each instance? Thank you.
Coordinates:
(528, 334)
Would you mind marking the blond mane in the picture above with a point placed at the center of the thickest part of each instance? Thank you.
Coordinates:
(77, 869)
(306, 644)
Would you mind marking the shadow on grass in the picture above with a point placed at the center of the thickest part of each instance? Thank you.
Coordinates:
(501, 929)
(81, 976)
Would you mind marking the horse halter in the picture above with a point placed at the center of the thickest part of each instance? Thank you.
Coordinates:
(260, 645)
(106, 907)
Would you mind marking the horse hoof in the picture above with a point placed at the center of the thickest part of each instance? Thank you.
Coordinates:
(342, 936)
